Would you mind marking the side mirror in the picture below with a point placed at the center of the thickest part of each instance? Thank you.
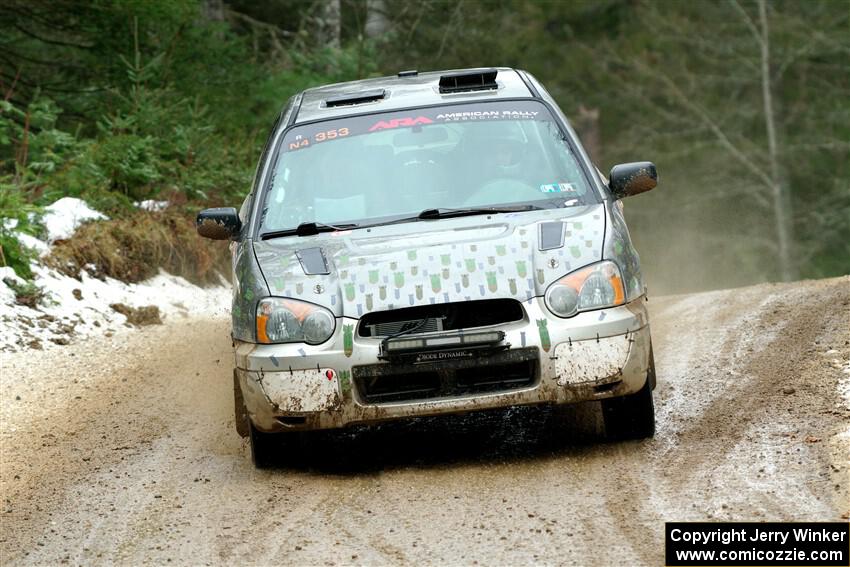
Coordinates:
(218, 224)
(627, 179)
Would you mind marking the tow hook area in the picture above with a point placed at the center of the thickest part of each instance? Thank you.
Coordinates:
(292, 420)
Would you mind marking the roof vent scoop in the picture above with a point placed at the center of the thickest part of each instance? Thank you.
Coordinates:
(472, 80)
(350, 99)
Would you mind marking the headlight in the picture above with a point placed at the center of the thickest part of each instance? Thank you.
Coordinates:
(318, 326)
(291, 321)
(593, 287)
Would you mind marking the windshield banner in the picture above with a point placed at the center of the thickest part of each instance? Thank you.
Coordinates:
(412, 119)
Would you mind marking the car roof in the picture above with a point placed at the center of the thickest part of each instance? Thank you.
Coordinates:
(406, 91)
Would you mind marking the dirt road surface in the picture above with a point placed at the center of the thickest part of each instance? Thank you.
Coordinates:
(123, 451)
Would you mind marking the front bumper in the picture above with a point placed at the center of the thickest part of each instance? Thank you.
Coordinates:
(594, 355)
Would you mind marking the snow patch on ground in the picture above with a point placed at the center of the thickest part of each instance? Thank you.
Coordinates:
(42, 248)
(78, 308)
(73, 308)
(7, 295)
(63, 217)
(151, 205)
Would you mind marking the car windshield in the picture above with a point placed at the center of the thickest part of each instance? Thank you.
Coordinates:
(368, 169)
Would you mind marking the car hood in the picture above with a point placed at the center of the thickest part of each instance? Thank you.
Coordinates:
(514, 255)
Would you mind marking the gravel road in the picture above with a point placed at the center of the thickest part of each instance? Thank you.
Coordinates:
(123, 451)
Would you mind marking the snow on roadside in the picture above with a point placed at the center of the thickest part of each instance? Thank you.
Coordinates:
(25, 239)
(73, 308)
(78, 308)
(63, 217)
(7, 295)
(41, 248)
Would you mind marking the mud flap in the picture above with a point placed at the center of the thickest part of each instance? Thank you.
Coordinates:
(650, 372)
(631, 416)
(240, 412)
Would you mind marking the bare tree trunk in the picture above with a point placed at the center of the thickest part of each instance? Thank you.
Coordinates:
(587, 125)
(781, 198)
(376, 19)
(212, 10)
(331, 22)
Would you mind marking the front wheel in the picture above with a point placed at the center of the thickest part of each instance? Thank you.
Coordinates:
(264, 446)
(631, 416)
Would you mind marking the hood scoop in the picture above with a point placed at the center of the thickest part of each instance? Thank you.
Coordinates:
(351, 99)
(313, 261)
(551, 235)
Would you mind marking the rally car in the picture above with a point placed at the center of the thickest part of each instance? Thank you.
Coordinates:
(432, 243)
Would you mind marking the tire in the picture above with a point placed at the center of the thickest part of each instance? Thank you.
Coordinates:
(262, 447)
(239, 410)
(632, 416)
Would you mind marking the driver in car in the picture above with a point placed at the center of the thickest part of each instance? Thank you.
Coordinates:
(497, 170)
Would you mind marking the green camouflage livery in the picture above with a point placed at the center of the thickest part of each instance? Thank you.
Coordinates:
(421, 263)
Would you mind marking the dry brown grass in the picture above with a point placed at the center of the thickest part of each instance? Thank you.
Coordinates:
(135, 248)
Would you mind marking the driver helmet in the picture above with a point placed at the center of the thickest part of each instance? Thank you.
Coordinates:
(499, 146)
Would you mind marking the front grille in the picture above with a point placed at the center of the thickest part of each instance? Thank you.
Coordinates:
(390, 328)
(441, 317)
(501, 372)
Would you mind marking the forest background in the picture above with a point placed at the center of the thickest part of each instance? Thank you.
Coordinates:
(744, 106)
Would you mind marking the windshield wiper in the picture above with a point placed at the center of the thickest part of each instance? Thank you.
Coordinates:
(312, 228)
(443, 213)
(308, 229)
